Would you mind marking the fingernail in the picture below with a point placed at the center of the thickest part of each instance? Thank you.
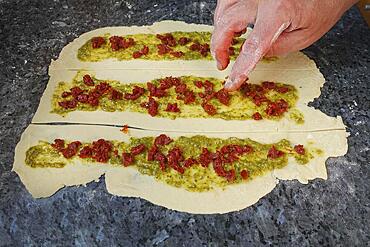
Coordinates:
(213, 54)
(228, 84)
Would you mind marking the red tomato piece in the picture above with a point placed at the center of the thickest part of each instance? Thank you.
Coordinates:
(127, 159)
(244, 174)
(162, 140)
(210, 109)
(273, 153)
(299, 149)
(88, 80)
(97, 42)
(58, 144)
(172, 107)
(86, 152)
(138, 149)
(257, 116)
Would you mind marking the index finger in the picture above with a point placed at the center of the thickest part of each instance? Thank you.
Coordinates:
(269, 25)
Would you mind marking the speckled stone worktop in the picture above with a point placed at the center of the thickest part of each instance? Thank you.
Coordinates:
(332, 212)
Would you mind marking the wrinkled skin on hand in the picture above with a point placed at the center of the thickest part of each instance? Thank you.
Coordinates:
(280, 27)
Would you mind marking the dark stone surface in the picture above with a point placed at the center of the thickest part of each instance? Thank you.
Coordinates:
(332, 212)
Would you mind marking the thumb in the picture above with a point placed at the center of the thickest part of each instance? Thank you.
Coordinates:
(270, 23)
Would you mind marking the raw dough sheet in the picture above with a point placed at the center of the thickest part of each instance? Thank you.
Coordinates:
(43, 182)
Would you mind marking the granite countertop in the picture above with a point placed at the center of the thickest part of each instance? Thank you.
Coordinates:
(332, 212)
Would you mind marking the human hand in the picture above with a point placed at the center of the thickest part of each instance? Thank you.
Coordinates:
(280, 27)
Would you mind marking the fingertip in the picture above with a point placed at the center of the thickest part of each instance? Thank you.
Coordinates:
(233, 85)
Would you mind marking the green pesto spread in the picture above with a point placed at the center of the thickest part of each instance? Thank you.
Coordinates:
(240, 107)
(87, 53)
(195, 178)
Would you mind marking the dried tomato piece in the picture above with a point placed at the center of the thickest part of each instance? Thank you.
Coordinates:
(71, 149)
(144, 50)
(127, 159)
(198, 84)
(208, 87)
(137, 92)
(155, 91)
(128, 43)
(174, 157)
(137, 54)
(152, 106)
(205, 157)
(115, 95)
(282, 89)
(184, 40)
(102, 88)
(151, 153)
(190, 162)
(273, 153)
(167, 39)
(162, 140)
(257, 116)
(259, 98)
(92, 100)
(246, 89)
(218, 167)
(82, 98)
(204, 50)
(116, 43)
(210, 109)
(165, 83)
(68, 104)
(86, 152)
(101, 150)
(247, 149)
(97, 42)
(189, 97)
(75, 91)
(268, 85)
(162, 160)
(138, 149)
(299, 149)
(195, 46)
(177, 53)
(124, 129)
(244, 174)
(277, 108)
(58, 144)
(163, 49)
(223, 96)
(66, 94)
(88, 80)
(181, 88)
(172, 107)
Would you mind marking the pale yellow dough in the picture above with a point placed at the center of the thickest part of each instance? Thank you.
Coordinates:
(43, 182)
